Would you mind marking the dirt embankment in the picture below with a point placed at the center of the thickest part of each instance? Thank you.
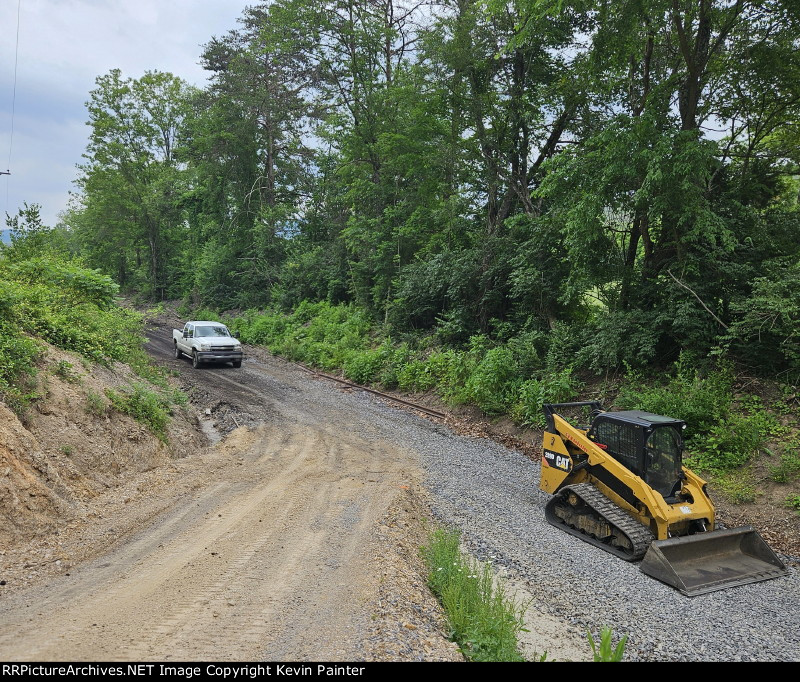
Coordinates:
(59, 462)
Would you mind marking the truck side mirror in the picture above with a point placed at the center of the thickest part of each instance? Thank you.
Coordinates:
(185, 334)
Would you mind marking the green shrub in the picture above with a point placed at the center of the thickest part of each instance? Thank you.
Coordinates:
(718, 436)
(52, 298)
(70, 307)
(259, 328)
(66, 279)
(416, 375)
(205, 314)
(493, 381)
(377, 365)
(395, 359)
(701, 401)
(452, 369)
(316, 333)
(793, 502)
(64, 370)
(364, 367)
(556, 387)
(615, 339)
(145, 406)
(18, 356)
(731, 443)
(483, 620)
(528, 349)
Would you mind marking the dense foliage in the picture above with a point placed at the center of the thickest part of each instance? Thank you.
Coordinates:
(47, 295)
(726, 428)
(615, 182)
(502, 201)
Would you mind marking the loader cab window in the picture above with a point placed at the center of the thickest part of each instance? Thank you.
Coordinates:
(662, 453)
(623, 441)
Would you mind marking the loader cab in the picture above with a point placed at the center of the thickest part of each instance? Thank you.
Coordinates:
(649, 445)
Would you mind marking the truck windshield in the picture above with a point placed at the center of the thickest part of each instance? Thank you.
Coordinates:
(211, 331)
(663, 459)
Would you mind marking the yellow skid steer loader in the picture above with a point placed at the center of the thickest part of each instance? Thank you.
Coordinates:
(620, 484)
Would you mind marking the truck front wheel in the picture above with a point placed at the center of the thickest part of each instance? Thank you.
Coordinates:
(195, 359)
(177, 352)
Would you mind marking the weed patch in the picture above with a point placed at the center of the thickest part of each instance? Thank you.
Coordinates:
(788, 468)
(145, 406)
(95, 403)
(739, 487)
(604, 651)
(483, 620)
(65, 371)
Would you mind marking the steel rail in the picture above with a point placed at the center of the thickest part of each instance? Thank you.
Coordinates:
(350, 384)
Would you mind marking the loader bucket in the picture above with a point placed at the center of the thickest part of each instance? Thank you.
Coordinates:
(717, 560)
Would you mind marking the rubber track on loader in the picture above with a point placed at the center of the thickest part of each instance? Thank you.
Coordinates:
(639, 535)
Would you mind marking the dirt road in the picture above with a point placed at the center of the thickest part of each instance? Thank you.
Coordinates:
(276, 544)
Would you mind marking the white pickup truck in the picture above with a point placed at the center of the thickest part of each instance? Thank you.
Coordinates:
(205, 341)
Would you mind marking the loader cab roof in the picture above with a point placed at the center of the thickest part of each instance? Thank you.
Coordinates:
(641, 418)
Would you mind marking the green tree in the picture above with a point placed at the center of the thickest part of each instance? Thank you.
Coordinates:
(31, 238)
(650, 204)
(129, 212)
(250, 155)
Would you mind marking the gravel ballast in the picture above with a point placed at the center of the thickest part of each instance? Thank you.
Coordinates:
(490, 494)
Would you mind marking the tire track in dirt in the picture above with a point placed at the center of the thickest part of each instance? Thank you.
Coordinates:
(271, 557)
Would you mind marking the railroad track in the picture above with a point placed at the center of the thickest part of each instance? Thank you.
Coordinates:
(350, 384)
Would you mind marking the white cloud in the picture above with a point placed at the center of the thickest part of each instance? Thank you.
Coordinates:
(64, 45)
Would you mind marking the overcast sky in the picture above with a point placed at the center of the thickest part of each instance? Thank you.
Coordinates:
(63, 46)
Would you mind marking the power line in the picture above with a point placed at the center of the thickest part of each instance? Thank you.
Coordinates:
(14, 94)
(13, 106)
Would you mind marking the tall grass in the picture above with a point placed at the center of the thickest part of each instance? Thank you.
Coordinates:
(145, 406)
(483, 620)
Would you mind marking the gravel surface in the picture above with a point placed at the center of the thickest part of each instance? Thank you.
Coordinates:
(491, 495)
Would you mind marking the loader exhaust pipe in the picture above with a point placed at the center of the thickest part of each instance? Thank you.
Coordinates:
(717, 560)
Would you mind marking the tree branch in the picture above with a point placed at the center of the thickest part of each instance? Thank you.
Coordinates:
(700, 300)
